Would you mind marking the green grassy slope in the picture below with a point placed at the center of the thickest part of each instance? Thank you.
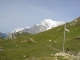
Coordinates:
(41, 45)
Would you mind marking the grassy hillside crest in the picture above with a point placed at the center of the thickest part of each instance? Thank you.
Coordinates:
(44, 44)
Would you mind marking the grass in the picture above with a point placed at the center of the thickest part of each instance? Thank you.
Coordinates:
(29, 50)
(22, 48)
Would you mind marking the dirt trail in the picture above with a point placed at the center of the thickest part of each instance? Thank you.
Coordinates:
(31, 39)
(51, 47)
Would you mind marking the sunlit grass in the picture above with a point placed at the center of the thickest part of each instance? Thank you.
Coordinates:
(47, 43)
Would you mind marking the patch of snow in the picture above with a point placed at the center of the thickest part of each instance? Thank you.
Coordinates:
(17, 30)
(60, 23)
(50, 23)
(28, 27)
(46, 24)
(37, 24)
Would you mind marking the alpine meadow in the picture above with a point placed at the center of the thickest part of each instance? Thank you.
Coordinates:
(44, 45)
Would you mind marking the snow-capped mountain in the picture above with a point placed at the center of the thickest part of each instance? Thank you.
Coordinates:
(46, 24)
(17, 30)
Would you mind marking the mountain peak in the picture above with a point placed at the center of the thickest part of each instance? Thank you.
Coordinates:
(50, 23)
(27, 27)
(17, 30)
(46, 24)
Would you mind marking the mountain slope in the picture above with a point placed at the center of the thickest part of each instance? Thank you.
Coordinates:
(41, 45)
(46, 24)
(43, 26)
(3, 35)
(56, 36)
(75, 21)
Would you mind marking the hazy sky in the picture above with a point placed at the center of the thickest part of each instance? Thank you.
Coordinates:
(22, 13)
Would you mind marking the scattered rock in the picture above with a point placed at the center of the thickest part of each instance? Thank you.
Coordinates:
(49, 40)
(52, 55)
(24, 56)
(62, 55)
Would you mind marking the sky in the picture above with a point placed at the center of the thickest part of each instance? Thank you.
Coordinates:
(25, 13)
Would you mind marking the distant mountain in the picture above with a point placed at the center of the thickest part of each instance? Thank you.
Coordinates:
(43, 44)
(3, 35)
(43, 26)
(17, 30)
(46, 24)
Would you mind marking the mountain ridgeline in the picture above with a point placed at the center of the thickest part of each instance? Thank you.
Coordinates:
(3, 35)
(43, 44)
(43, 26)
(35, 29)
